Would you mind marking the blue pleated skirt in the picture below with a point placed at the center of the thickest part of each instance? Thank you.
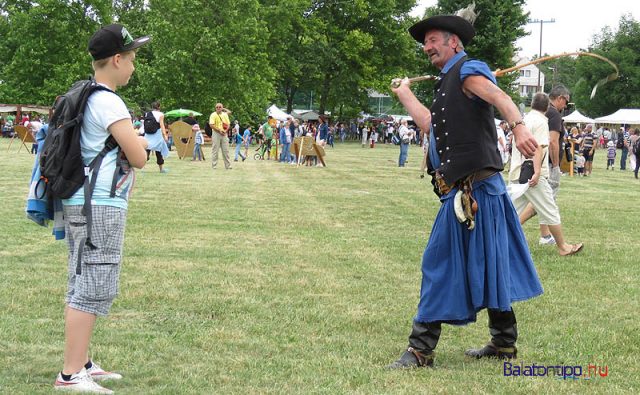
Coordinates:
(466, 271)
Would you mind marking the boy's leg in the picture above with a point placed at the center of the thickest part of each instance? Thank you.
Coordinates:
(77, 332)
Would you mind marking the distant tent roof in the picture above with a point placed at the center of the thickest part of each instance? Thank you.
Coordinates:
(8, 108)
(38, 109)
(277, 113)
(577, 117)
(628, 116)
(309, 115)
(398, 118)
(25, 108)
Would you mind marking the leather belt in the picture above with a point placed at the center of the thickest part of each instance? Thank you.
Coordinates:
(482, 174)
(444, 188)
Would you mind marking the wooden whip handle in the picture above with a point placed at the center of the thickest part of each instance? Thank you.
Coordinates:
(395, 83)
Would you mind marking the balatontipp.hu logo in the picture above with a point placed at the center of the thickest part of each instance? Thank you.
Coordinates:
(562, 372)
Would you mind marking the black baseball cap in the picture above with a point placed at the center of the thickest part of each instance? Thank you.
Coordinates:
(113, 39)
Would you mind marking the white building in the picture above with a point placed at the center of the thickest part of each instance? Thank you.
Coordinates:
(527, 82)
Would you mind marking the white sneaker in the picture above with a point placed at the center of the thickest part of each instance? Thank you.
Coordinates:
(80, 382)
(547, 240)
(98, 374)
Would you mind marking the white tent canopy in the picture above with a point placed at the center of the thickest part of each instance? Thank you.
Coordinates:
(4, 108)
(277, 113)
(398, 118)
(577, 117)
(39, 110)
(624, 116)
(14, 108)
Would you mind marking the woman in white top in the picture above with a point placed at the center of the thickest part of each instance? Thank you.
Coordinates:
(157, 140)
(365, 135)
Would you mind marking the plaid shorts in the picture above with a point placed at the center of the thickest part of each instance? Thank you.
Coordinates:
(94, 290)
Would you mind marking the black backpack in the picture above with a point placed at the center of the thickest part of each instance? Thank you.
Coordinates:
(636, 146)
(62, 170)
(207, 129)
(620, 141)
(151, 126)
(61, 165)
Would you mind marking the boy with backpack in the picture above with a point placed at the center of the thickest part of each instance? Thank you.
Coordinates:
(94, 265)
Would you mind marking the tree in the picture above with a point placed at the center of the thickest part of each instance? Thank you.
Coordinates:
(243, 53)
(560, 71)
(43, 55)
(623, 48)
(200, 55)
(338, 49)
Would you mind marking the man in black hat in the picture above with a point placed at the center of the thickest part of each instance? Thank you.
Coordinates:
(477, 256)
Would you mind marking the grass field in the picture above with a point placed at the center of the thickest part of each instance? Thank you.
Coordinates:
(274, 279)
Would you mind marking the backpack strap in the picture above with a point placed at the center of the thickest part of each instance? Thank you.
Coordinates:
(116, 174)
(89, 186)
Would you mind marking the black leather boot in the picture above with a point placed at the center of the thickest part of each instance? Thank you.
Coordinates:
(422, 341)
(504, 333)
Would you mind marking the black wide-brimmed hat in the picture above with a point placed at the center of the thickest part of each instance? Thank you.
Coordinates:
(450, 23)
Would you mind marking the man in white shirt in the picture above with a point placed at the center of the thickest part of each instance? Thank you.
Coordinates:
(539, 193)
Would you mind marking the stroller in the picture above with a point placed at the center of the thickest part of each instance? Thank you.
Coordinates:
(263, 149)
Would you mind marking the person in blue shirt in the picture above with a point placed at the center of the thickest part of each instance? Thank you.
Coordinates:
(246, 140)
(476, 258)
(198, 140)
(286, 133)
(238, 138)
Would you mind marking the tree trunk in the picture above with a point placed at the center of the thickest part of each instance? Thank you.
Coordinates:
(324, 96)
(290, 93)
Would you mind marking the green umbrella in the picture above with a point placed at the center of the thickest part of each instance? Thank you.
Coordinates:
(181, 112)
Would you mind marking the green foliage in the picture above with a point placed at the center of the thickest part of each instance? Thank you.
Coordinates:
(245, 54)
(560, 71)
(623, 48)
(339, 50)
(43, 55)
(201, 55)
(248, 54)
